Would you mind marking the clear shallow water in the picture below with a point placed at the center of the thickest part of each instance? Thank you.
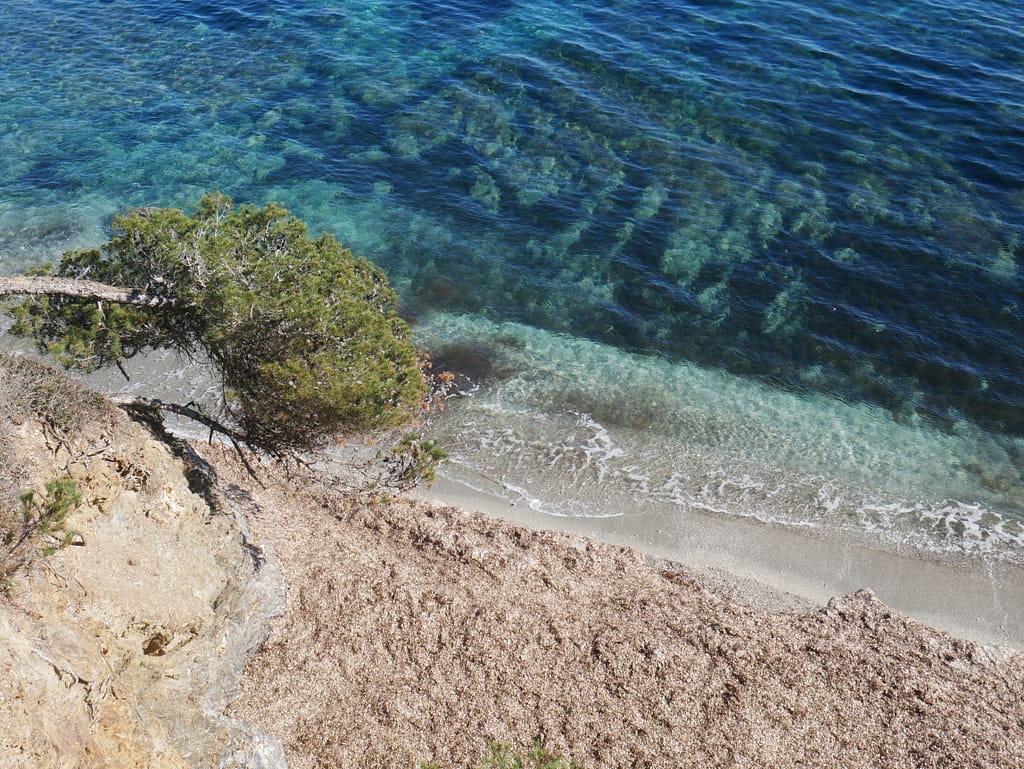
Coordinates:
(822, 203)
(576, 428)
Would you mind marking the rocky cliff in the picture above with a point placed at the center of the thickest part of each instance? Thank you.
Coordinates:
(122, 649)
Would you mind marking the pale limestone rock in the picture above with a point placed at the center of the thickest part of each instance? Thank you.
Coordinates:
(123, 652)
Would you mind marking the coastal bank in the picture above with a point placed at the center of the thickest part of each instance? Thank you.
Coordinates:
(207, 620)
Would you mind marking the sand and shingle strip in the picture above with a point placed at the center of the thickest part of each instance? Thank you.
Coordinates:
(419, 632)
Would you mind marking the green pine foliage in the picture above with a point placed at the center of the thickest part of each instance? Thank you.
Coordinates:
(39, 526)
(44, 517)
(303, 333)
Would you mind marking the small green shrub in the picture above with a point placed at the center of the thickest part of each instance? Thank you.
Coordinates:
(38, 527)
(504, 757)
(414, 459)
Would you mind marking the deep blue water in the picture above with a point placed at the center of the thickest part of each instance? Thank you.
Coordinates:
(827, 197)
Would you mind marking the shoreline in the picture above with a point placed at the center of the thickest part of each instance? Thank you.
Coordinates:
(286, 621)
(418, 631)
(777, 568)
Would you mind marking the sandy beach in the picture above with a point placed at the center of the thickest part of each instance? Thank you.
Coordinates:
(417, 631)
(775, 566)
(216, 620)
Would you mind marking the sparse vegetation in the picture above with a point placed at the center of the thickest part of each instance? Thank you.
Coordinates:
(32, 389)
(503, 756)
(38, 528)
(33, 523)
(413, 459)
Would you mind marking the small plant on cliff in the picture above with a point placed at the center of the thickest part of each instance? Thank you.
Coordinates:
(304, 335)
(38, 525)
(414, 458)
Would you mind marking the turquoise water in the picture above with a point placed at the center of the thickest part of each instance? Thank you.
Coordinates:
(820, 207)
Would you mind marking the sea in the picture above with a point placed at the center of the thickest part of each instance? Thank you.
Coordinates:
(761, 259)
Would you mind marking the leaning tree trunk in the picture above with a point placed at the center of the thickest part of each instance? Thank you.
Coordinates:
(82, 289)
(101, 292)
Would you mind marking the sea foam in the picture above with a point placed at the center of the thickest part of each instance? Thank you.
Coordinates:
(576, 428)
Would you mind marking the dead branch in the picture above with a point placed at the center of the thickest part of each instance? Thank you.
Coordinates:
(81, 289)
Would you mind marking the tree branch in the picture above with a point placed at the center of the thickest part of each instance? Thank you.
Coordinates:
(146, 407)
(82, 289)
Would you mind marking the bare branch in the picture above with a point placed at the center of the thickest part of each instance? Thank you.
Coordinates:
(140, 406)
(83, 289)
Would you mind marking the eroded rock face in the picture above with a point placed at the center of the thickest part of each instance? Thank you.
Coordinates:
(123, 651)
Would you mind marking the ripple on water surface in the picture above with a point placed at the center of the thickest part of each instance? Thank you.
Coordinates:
(821, 197)
(578, 429)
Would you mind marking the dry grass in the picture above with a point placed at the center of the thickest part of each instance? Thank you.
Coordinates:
(29, 389)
